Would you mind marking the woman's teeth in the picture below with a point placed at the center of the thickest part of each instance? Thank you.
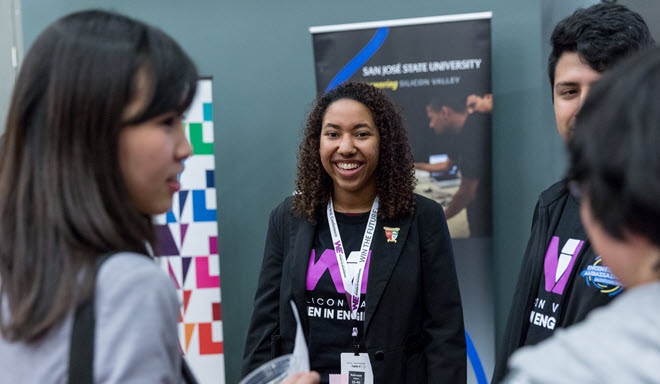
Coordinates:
(348, 165)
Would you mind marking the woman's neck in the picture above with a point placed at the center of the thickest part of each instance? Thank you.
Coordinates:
(352, 203)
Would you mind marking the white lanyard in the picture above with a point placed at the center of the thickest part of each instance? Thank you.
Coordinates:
(352, 284)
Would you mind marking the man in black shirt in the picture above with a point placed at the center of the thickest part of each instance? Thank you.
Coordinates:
(561, 278)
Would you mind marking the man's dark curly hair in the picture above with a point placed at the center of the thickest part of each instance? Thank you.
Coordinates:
(395, 174)
(601, 34)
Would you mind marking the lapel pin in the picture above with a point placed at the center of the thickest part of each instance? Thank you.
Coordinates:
(391, 233)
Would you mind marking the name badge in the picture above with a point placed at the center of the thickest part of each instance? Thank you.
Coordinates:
(357, 368)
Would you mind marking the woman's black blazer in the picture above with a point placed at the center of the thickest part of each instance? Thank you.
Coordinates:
(413, 318)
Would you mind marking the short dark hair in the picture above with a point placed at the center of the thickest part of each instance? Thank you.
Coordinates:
(395, 174)
(456, 101)
(63, 200)
(601, 35)
(614, 152)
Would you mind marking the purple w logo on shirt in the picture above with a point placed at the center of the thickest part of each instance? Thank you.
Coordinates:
(328, 261)
(557, 267)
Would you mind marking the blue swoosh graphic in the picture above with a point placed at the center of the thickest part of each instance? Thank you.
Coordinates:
(474, 360)
(359, 59)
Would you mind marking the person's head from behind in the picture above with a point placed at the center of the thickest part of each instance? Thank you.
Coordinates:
(447, 112)
(92, 148)
(615, 167)
(584, 45)
(355, 144)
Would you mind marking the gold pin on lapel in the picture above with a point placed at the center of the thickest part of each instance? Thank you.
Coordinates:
(391, 233)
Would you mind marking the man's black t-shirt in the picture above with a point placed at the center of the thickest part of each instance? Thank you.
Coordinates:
(330, 323)
(474, 161)
(573, 278)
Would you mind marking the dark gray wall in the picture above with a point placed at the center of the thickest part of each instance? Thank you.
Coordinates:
(260, 55)
(11, 49)
(650, 10)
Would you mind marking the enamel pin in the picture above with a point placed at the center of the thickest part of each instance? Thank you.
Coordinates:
(391, 233)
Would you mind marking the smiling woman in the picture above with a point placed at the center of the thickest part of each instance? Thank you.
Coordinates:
(349, 154)
(368, 263)
(395, 174)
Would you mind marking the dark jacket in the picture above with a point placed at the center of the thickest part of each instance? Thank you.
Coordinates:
(413, 319)
(549, 209)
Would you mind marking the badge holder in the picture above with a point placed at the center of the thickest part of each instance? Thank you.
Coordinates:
(356, 366)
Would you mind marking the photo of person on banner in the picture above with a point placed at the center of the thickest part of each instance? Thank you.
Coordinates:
(466, 121)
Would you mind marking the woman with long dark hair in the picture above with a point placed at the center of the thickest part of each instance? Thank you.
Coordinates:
(92, 149)
(368, 263)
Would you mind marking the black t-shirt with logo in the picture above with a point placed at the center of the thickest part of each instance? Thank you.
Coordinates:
(330, 323)
(574, 280)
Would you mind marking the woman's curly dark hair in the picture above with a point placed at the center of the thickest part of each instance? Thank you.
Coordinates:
(395, 174)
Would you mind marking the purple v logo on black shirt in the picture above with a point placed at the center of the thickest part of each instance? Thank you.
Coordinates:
(558, 266)
(328, 262)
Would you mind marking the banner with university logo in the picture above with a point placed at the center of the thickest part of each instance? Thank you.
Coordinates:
(188, 246)
(438, 70)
